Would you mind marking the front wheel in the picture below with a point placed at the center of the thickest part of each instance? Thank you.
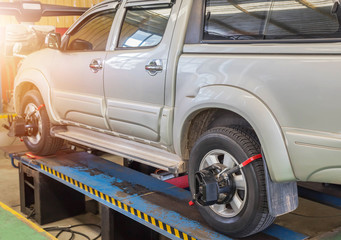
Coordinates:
(246, 213)
(39, 141)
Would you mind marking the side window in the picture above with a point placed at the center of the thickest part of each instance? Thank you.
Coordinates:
(270, 19)
(292, 19)
(92, 34)
(235, 19)
(143, 27)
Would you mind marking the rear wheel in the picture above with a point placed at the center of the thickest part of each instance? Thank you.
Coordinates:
(40, 141)
(247, 211)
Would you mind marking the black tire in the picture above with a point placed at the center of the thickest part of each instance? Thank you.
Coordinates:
(42, 143)
(253, 215)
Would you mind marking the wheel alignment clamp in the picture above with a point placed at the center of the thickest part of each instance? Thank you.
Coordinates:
(123, 206)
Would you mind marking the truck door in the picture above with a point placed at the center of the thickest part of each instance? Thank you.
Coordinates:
(77, 80)
(135, 69)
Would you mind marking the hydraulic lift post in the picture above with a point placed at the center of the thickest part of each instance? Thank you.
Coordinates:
(45, 199)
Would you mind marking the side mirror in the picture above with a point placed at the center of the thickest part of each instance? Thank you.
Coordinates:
(53, 40)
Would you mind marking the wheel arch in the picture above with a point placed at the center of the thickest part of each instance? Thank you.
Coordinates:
(33, 79)
(241, 108)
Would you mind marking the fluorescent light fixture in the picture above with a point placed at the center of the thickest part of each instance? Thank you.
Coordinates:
(31, 6)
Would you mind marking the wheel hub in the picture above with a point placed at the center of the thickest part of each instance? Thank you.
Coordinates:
(212, 187)
(233, 206)
(33, 123)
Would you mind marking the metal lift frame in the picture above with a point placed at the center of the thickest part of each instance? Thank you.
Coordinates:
(158, 205)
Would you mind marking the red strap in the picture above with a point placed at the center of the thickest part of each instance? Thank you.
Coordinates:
(251, 159)
(30, 155)
(40, 107)
(180, 182)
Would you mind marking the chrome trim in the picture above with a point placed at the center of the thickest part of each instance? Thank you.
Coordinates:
(153, 67)
(96, 65)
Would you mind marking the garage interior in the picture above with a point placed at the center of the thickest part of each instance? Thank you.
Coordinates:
(94, 216)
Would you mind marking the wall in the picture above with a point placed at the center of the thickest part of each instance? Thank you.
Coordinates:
(59, 22)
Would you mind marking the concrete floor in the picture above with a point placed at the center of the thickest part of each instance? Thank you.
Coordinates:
(312, 219)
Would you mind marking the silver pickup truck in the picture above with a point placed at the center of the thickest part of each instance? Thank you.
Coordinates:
(198, 87)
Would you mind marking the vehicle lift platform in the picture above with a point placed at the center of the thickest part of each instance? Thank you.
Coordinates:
(158, 205)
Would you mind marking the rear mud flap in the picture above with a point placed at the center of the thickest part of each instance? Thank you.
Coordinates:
(282, 197)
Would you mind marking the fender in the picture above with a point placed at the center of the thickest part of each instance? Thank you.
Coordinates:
(36, 78)
(252, 109)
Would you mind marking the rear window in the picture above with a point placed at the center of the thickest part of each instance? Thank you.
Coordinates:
(262, 19)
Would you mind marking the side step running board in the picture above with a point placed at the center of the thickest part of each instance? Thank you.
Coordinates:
(122, 147)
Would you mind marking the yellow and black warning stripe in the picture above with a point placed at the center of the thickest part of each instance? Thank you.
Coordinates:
(7, 115)
(119, 204)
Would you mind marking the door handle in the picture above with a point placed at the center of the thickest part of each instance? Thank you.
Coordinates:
(96, 65)
(154, 66)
